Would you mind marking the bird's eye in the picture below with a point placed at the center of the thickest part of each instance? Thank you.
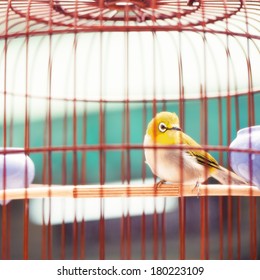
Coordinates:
(162, 127)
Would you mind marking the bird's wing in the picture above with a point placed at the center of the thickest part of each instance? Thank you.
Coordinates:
(201, 156)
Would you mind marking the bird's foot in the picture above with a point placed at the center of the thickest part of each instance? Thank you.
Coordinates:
(197, 187)
(159, 184)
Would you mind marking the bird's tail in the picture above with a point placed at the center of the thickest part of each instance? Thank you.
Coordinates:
(227, 177)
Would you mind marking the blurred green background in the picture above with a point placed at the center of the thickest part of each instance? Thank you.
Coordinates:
(115, 126)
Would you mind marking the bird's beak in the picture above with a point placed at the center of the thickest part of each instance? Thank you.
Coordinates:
(174, 128)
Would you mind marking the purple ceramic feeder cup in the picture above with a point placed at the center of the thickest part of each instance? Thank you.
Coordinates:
(247, 164)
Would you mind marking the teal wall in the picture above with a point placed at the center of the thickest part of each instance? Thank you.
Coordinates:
(116, 165)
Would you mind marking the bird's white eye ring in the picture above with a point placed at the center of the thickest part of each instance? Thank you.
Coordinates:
(162, 127)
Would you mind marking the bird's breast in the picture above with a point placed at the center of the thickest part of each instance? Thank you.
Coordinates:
(173, 164)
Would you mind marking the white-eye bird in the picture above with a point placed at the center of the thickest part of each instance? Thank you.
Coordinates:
(185, 165)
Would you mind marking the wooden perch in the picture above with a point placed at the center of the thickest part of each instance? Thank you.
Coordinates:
(94, 191)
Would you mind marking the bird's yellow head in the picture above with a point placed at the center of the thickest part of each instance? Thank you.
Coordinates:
(164, 129)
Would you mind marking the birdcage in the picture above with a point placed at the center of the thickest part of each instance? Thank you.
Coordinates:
(79, 82)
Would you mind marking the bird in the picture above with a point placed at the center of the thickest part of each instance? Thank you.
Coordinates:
(180, 161)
